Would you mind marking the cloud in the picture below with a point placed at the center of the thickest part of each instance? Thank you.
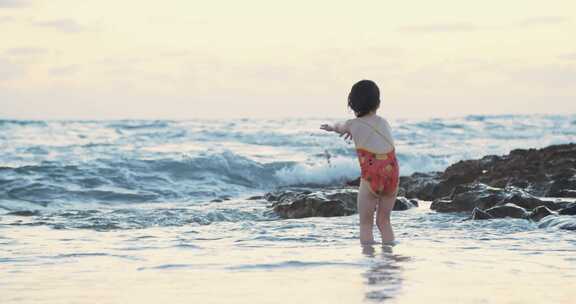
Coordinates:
(552, 76)
(65, 70)
(25, 51)
(63, 25)
(568, 56)
(9, 70)
(469, 27)
(14, 3)
(6, 19)
(544, 20)
(177, 53)
(123, 60)
(439, 28)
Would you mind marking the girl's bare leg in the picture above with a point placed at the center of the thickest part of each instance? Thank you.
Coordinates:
(367, 202)
(385, 205)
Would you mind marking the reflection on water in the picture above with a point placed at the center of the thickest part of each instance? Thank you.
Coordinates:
(383, 279)
(290, 261)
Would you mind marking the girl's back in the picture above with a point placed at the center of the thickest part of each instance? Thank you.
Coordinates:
(372, 133)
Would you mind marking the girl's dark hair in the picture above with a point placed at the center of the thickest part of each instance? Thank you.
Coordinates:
(364, 97)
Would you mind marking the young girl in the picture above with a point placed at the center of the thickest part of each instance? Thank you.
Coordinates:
(377, 157)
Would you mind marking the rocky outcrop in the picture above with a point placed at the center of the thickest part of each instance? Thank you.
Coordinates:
(539, 213)
(485, 202)
(423, 186)
(323, 203)
(24, 213)
(467, 197)
(511, 210)
(403, 203)
(479, 214)
(486, 188)
(464, 198)
(255, 198)
(570, 209)
(503, 186)
(305, 203)
(549, 172)
(507, 210)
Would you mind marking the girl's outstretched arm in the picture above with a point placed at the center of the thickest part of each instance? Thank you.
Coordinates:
(342, 128)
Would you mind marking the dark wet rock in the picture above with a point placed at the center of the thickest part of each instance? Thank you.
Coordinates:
(444, 205)
(469, 196)
(568, 210)
(24, 213)
(507, 210)
(479, 214)
(271, 196)
(322, 203)
(420, 185)
(313, 207)
(563, 184)
(539, 213)
(527, 201)
(550, 172)
(255, 198)
(511, 210)
(563, 204)
(403, 203)
(216, 200)
(414, 202)
(354, 182)
(285, 195)
(564, 193)
(401, 192)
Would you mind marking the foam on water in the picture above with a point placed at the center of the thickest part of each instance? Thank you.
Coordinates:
(335, 171)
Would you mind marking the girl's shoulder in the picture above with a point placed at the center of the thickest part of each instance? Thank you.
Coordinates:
(357, 121)
(375, 121)
(353, 121)
(384, 121)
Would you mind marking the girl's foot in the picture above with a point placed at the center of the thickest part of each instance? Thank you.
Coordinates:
(368, 243)
(391, 243)
(368, 250)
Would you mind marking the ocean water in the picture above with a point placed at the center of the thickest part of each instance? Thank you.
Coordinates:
(147, 211)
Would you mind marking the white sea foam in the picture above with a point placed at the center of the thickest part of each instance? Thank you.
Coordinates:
(338, 170)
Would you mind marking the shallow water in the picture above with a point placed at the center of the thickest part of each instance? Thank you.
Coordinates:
(123, 212)
(437, 257)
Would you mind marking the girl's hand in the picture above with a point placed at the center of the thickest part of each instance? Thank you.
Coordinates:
(346, 135)
(326, 127)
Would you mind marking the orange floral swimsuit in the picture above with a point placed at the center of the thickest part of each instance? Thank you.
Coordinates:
(381, 171)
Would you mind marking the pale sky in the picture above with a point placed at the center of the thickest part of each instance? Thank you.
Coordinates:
(186, 59)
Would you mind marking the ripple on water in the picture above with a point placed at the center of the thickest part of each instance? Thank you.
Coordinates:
(93, 254)
(137, 217)
(176, 267)
(289, 265)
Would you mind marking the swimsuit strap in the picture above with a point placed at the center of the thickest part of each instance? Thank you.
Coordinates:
(377, 131)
